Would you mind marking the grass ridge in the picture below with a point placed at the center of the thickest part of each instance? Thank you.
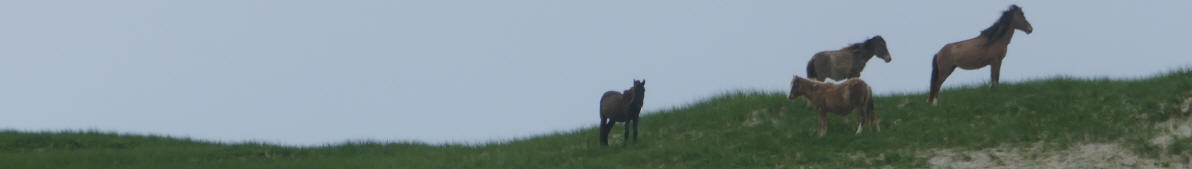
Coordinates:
(737, 129)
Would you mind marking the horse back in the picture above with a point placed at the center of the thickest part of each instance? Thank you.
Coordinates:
(971, 53)
(838, 64)
(610, 103)
(859, 92)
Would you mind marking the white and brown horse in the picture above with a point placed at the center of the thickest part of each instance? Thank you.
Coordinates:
(621, 107)
(851, 95)
(987, 49)
(847, 62)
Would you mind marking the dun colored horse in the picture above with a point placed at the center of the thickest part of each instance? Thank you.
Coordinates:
(847, 62)
(987, 49)
(852, 95)
(621, 107)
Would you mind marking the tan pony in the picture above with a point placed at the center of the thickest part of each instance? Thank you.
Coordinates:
(847, 62)
(851, 95)
(987, 49)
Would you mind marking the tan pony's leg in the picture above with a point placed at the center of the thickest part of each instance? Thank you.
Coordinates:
(873, 120)
(823, 123)
(862, 117)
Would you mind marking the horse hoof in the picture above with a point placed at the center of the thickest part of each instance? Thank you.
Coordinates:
(859, 129)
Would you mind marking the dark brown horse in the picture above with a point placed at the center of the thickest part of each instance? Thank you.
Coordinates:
(621, 107)
(851, 95)
(987, 49)
(847, 62)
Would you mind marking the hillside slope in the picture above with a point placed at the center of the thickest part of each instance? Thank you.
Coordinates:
(738, 130)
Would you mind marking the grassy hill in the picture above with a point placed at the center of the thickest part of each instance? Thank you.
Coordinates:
(1032, 120)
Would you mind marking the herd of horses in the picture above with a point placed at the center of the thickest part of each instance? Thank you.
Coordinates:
(853, 94)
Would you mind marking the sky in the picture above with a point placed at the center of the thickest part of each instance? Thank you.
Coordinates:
(299, 72)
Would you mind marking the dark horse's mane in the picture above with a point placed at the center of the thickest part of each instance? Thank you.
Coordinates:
(856, 46)
(866, 45)
(999, 28)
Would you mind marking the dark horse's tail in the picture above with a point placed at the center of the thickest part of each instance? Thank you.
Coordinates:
(811, 69)
(935, 76)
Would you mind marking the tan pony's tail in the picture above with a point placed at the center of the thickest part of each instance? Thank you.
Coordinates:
(935, 76)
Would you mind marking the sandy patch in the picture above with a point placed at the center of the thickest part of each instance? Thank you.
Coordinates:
(1172, 129)
(1081, 156)
(1094, 155)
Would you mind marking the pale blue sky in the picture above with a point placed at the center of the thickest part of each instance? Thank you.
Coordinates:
(317, 72)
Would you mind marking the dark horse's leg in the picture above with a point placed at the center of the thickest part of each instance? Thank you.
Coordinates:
(626, 135)
(605, 126)
(994, 73)
(635, 129)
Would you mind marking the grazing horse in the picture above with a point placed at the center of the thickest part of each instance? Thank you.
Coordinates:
(847, 62)
(987, 49)
(621, 107)
(851, 95)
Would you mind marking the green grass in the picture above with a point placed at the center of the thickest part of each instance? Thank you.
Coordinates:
(746, 129)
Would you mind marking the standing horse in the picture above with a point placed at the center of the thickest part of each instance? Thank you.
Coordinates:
(852, 95)
(847, 62)
(621, 107)
(987, 49)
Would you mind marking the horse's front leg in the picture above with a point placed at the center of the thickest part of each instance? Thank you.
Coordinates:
(626, 135)
(994, 73)
(635, 129)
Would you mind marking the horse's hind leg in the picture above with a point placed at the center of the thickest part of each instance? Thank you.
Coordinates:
(605, 126)
(939, 75)
(823, 123)
(861, 119)
(873, 120)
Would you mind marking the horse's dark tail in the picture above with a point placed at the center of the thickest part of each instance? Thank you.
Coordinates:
(811, 69)
(935, 76)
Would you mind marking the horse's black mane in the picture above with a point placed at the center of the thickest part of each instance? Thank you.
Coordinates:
(863, 45)
(999, 28)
